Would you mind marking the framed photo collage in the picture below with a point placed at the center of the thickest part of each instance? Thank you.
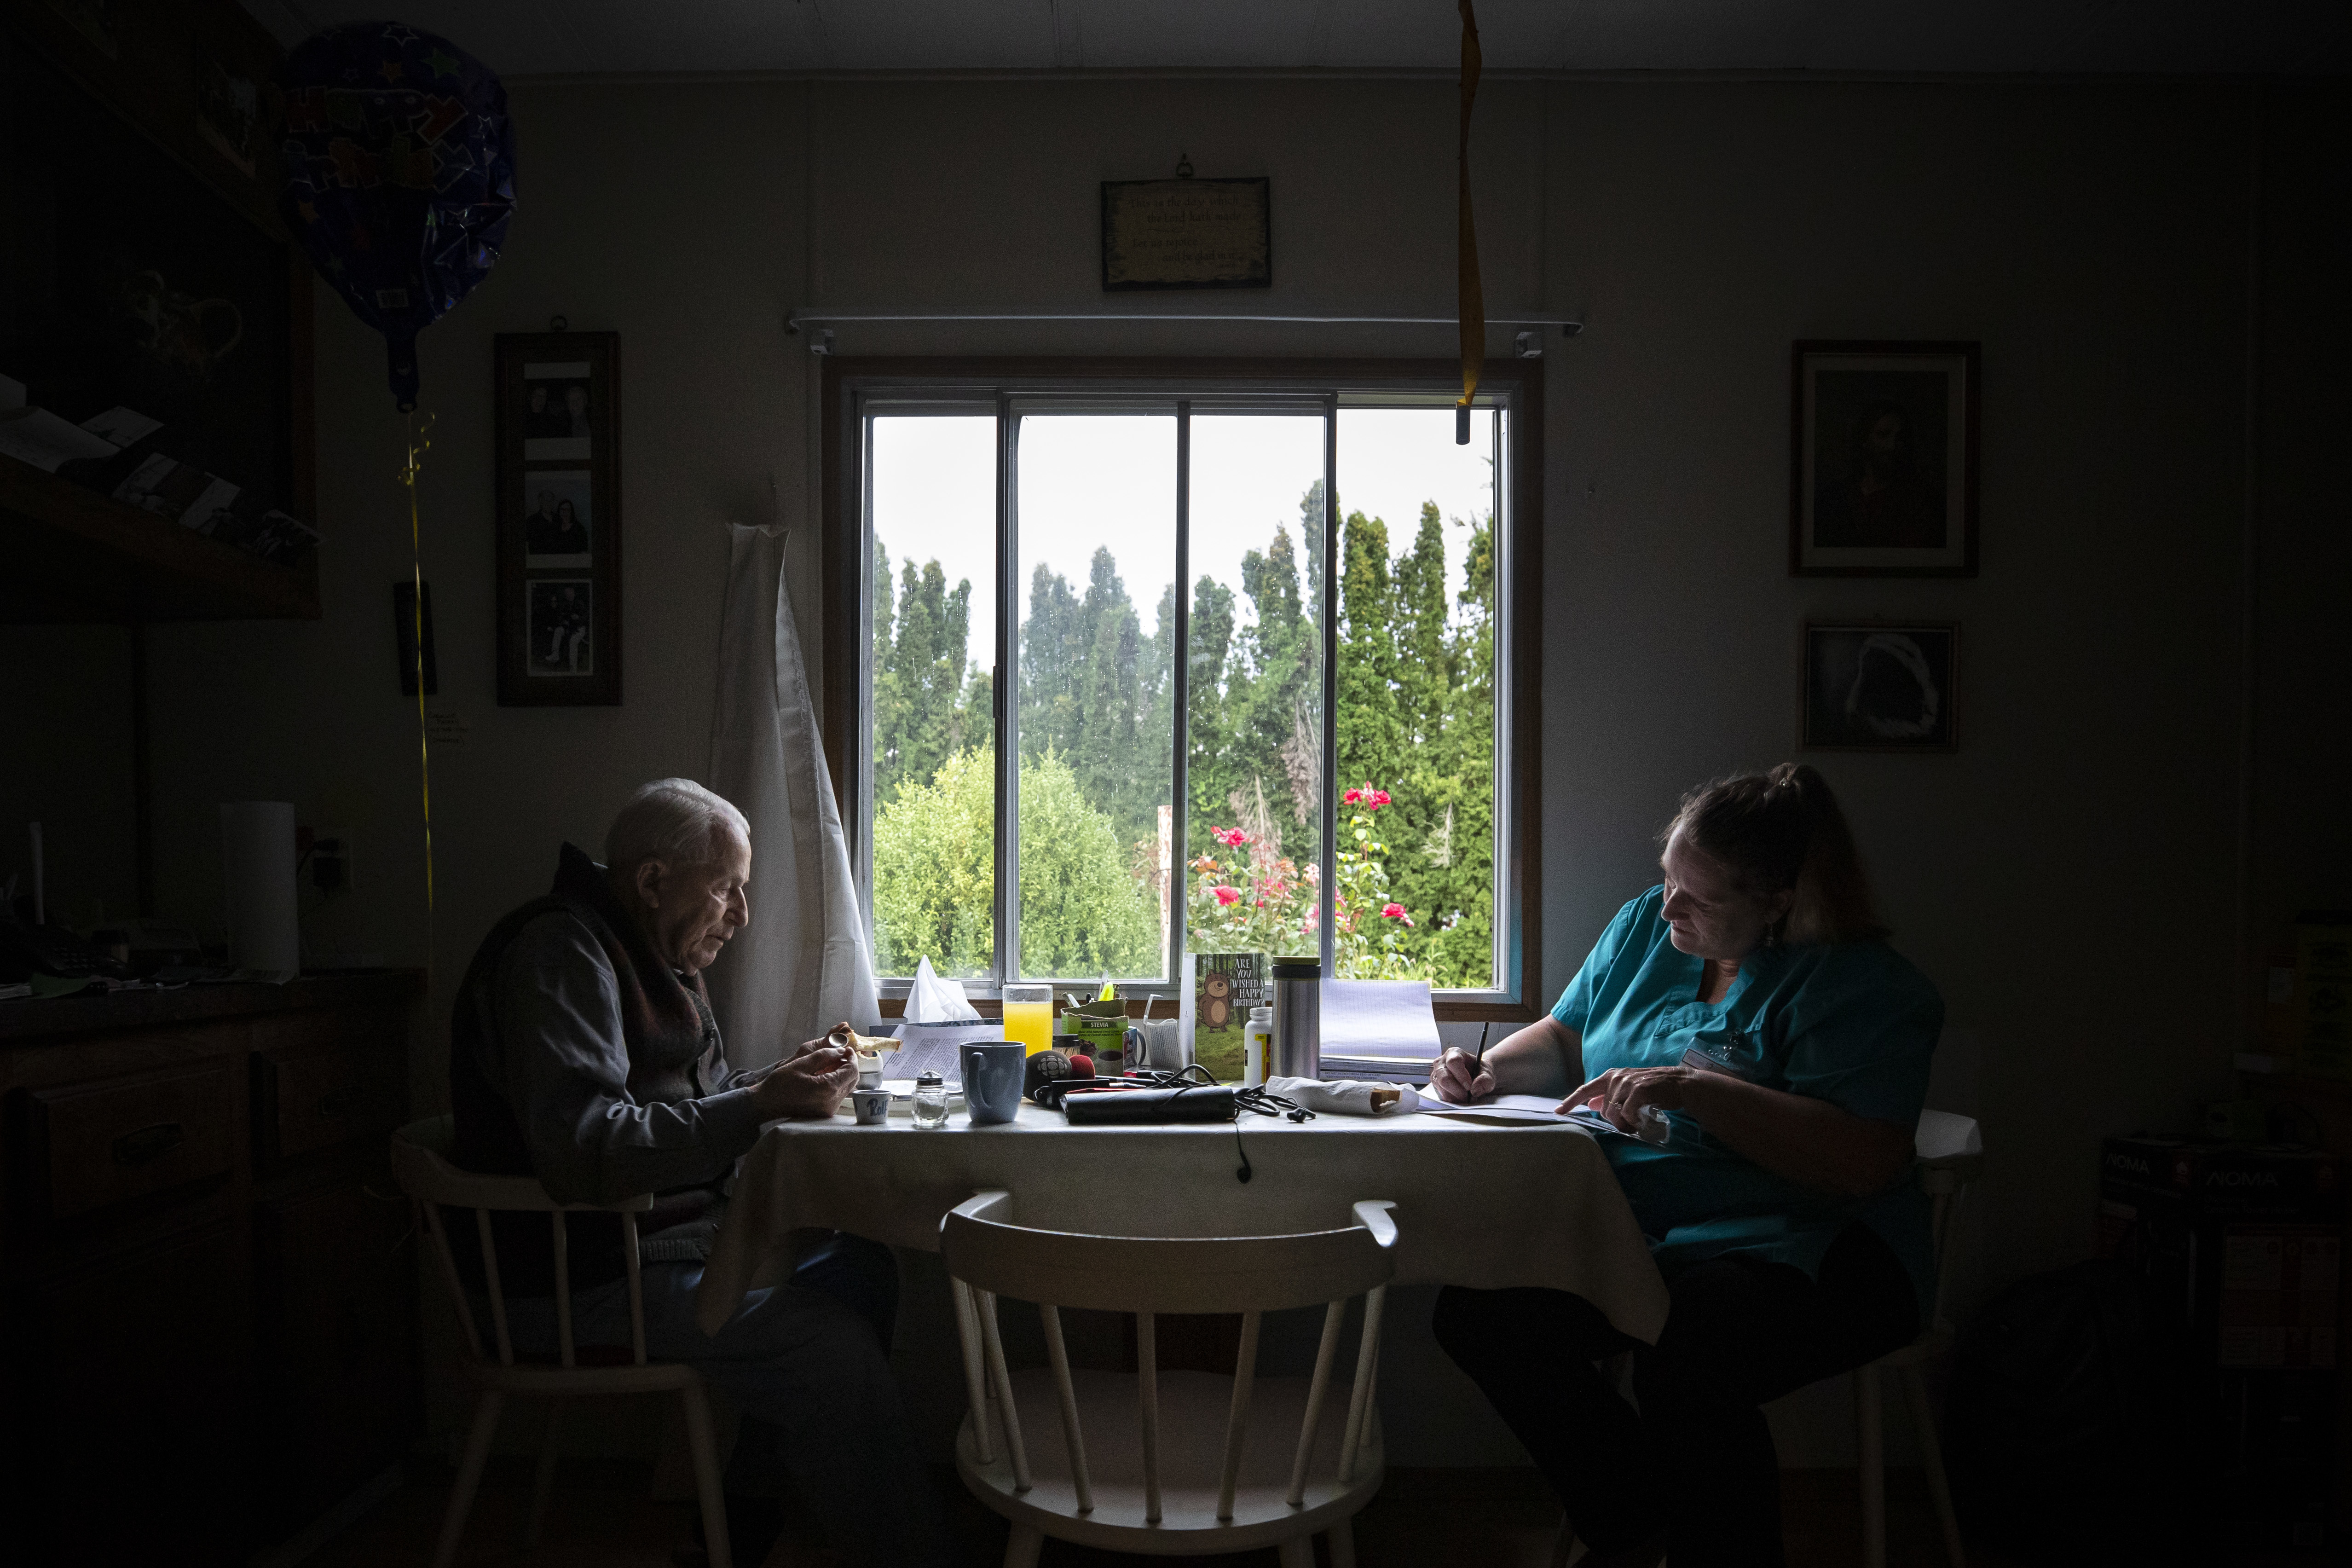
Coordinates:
(559, 519)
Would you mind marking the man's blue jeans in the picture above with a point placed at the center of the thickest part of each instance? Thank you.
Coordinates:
(807, 1363)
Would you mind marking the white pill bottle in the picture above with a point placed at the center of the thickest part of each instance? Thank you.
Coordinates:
(1258, 1046)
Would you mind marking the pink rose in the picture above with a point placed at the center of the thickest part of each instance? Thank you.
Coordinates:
(1393, 912)
(1227, 895)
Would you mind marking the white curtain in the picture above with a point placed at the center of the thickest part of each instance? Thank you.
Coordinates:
(802, 965)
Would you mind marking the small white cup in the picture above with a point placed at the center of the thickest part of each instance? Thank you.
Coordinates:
(873, 1106)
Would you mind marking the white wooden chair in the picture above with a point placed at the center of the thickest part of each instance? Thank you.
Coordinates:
(1947, 1154)
(1948, 1151)
(420, 1161)
(1166, 1463)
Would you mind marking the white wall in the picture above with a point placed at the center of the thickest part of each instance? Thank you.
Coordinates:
(2069, 877)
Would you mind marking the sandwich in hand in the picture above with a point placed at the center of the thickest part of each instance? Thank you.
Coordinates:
(865, 1050)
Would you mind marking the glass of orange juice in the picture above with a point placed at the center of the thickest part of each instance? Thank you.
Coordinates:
(1029, 1016)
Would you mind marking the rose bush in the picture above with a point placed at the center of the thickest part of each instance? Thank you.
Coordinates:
(1246, 899)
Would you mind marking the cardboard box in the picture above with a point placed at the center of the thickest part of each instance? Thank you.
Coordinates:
(2270, 1457)
(2241, 1247)
(2276, 1304)
(2323, 987)
(2240, 1244)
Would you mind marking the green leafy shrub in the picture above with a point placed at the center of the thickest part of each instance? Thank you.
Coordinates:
(1082, 912)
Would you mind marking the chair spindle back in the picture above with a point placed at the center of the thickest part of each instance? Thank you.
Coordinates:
(420, 1161)
(1947, 1154)
(986, 1253)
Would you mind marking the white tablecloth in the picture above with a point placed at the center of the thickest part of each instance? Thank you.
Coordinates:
(1478, 1205)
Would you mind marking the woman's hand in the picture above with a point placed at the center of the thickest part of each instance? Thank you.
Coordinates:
(1458, 1077)
(1542, 1058)
(812, 1083)
(1806, 1139)
(1620, 1093)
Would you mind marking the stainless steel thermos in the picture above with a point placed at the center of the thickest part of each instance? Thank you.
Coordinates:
(1297, 1018)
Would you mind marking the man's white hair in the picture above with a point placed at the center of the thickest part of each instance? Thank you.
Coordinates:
(675, 821)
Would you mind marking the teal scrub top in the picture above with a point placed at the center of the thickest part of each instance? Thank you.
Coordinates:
(1851, 1023)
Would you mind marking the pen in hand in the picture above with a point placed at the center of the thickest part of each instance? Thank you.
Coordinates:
(1478, 1059)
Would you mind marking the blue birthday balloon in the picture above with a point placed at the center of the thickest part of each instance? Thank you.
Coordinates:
(399, 175)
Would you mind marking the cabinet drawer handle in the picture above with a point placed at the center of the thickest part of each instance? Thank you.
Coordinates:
(149, 1143)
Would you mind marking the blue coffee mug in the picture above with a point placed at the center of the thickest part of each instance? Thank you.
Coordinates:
(993, 1077)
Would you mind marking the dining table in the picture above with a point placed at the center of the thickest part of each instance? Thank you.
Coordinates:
(1482, 1205)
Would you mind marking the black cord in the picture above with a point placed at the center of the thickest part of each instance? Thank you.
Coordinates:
(1257, 1099)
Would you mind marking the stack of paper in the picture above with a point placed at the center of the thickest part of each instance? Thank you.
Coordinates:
(933, 1047)
(38, 437)
(1513, 1110)
(1386, 1025)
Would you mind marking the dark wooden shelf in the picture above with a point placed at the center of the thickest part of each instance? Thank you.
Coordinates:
(75, 555)
(29, 1021)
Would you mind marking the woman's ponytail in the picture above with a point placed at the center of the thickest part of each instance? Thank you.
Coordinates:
(1782, 832)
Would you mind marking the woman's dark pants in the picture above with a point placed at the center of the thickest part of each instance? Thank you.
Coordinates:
(1698, 1459)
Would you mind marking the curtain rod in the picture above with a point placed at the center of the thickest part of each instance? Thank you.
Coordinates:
(823, 340)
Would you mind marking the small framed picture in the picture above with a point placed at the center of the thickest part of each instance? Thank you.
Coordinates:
(561, 613)
(1883, 459)
(555, 531)
(556, 413)
(1873, 686)
(559, 519)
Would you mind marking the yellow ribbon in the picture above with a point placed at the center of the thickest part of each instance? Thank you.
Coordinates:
(1473, 304)
(417, 444)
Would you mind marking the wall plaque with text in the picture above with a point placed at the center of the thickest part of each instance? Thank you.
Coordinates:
(1186, 233)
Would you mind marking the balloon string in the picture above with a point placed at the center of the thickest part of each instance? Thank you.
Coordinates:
(416, 607)
(1469, 294)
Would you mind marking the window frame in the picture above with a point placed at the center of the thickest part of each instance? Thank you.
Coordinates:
(1003, 383)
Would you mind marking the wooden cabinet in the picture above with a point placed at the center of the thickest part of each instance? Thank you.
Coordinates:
(319, 1084)
(209, 1301)
(335, 1266)
(137, 1447)
(91, 1145)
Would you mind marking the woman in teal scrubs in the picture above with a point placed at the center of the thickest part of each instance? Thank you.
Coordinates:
(1752, 1001)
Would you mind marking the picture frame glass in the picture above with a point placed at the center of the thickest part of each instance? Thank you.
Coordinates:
(559, 411)
(559, 519)
(560, 618)
(1880, 688)
(1885, 478)
(1187, 232)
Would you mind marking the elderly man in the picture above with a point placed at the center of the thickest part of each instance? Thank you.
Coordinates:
(584, 1052)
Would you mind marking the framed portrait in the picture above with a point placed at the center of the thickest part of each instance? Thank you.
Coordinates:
(559, 519)
(1873, 686)
(1883, 459)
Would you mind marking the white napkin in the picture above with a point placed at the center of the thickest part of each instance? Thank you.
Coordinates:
(1344, 1096)
(932, 1000)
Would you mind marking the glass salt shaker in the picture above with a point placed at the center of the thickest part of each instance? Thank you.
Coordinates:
(930, 1102)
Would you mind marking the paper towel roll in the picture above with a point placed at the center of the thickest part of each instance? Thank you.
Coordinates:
(257, 860)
